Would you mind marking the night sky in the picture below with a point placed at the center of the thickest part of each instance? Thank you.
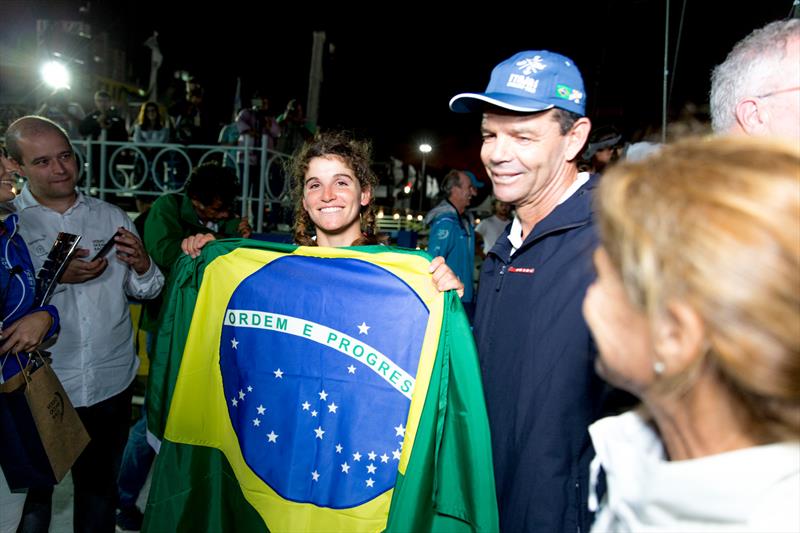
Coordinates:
(391, 70)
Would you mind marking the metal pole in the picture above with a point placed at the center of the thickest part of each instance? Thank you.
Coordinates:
(666, 74)
(262, 183)
(248, 144)
(87, 185)
(423, 183)
(103, 162)
(315, 78)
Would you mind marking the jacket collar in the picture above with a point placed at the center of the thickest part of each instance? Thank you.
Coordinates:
(575, 211)
(646, 490)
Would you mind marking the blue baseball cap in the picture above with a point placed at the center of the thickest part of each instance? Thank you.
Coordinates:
(473, 179)
(529, 82)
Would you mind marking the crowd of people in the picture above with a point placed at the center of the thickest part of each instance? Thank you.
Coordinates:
(185, 121)
(637, 328)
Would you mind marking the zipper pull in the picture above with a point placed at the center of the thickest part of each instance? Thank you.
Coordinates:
(500, 276)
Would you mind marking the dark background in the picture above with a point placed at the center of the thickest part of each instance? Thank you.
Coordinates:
(390, 69)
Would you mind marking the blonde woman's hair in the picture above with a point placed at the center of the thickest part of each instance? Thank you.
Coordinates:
(715, 223)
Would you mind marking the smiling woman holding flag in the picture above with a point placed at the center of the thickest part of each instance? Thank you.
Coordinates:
(330, 386)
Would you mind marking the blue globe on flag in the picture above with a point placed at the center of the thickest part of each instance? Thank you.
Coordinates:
(318, 385)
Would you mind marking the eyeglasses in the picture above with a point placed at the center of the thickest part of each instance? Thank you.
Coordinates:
(779, 91)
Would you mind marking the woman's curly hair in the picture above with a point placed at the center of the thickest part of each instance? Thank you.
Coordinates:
(355, 154)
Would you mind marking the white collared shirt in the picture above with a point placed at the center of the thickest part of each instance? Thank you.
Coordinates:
(515, 233)
(93, 355)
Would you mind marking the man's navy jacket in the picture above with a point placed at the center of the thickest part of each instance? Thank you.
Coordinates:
(537, 361)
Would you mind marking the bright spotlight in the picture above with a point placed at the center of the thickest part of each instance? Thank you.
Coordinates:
(425, 148)
(55, 75)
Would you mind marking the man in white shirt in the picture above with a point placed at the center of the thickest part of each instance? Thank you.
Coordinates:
(491, 228)
(94, 354)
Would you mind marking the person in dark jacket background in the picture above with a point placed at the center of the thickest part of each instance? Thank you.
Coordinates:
(536, 352)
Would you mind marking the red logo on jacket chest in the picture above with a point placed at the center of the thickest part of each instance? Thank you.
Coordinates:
(521, 270)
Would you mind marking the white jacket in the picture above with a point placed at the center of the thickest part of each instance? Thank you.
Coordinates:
(754, 489)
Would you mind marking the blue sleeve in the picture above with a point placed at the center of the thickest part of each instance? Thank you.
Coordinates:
(53, 312)
(441, 238)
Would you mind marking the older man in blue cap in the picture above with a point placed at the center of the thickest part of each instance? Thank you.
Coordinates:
(536, 352)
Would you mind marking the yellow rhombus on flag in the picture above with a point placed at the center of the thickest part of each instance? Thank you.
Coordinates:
(316, 389)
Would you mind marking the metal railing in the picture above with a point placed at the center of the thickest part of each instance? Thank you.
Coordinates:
(138, 169)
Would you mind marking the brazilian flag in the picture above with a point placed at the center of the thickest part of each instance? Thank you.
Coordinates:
(316, 389)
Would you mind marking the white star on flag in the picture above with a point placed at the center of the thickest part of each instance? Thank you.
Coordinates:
(371, 468)
(370, 482)
(332, 407)
(272, 436)
(372, 456)
(400, 431)
(241, 395)
(256, 422)
(345, 468)
(234, 402)
(278, 373)
(351, 369)
(338, 448)
(313, 413)
(384, 458)
(396, 455)
(249, 388)
(306, 405)
(320, 432)
(315, 475)
(363, 329)
(323, 396)
(261, 409)
(356, 456)
(234, 343)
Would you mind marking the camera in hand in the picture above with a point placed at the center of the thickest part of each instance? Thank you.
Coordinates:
(106, 247)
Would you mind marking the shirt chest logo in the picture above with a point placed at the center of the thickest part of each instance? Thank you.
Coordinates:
(521, 270)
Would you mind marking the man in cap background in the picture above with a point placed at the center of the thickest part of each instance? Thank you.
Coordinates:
(536, 352)
(756, 90)
(452, 234)
(605, 146)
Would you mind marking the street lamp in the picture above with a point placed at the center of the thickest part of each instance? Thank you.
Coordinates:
(55, 75)
(425, 148)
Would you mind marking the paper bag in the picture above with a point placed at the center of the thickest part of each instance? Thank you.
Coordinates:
(41, 435)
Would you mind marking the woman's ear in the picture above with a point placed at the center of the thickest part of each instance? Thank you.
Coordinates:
(366, 196)
(679, 337)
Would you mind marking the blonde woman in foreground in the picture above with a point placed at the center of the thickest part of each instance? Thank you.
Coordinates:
(696, 310)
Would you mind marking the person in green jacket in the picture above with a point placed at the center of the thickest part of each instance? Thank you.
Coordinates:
(206, 206)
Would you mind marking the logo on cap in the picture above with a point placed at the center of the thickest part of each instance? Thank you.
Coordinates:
(528, 66)
(531, 66)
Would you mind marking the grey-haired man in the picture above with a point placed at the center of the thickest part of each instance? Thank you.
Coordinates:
(756, 90)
